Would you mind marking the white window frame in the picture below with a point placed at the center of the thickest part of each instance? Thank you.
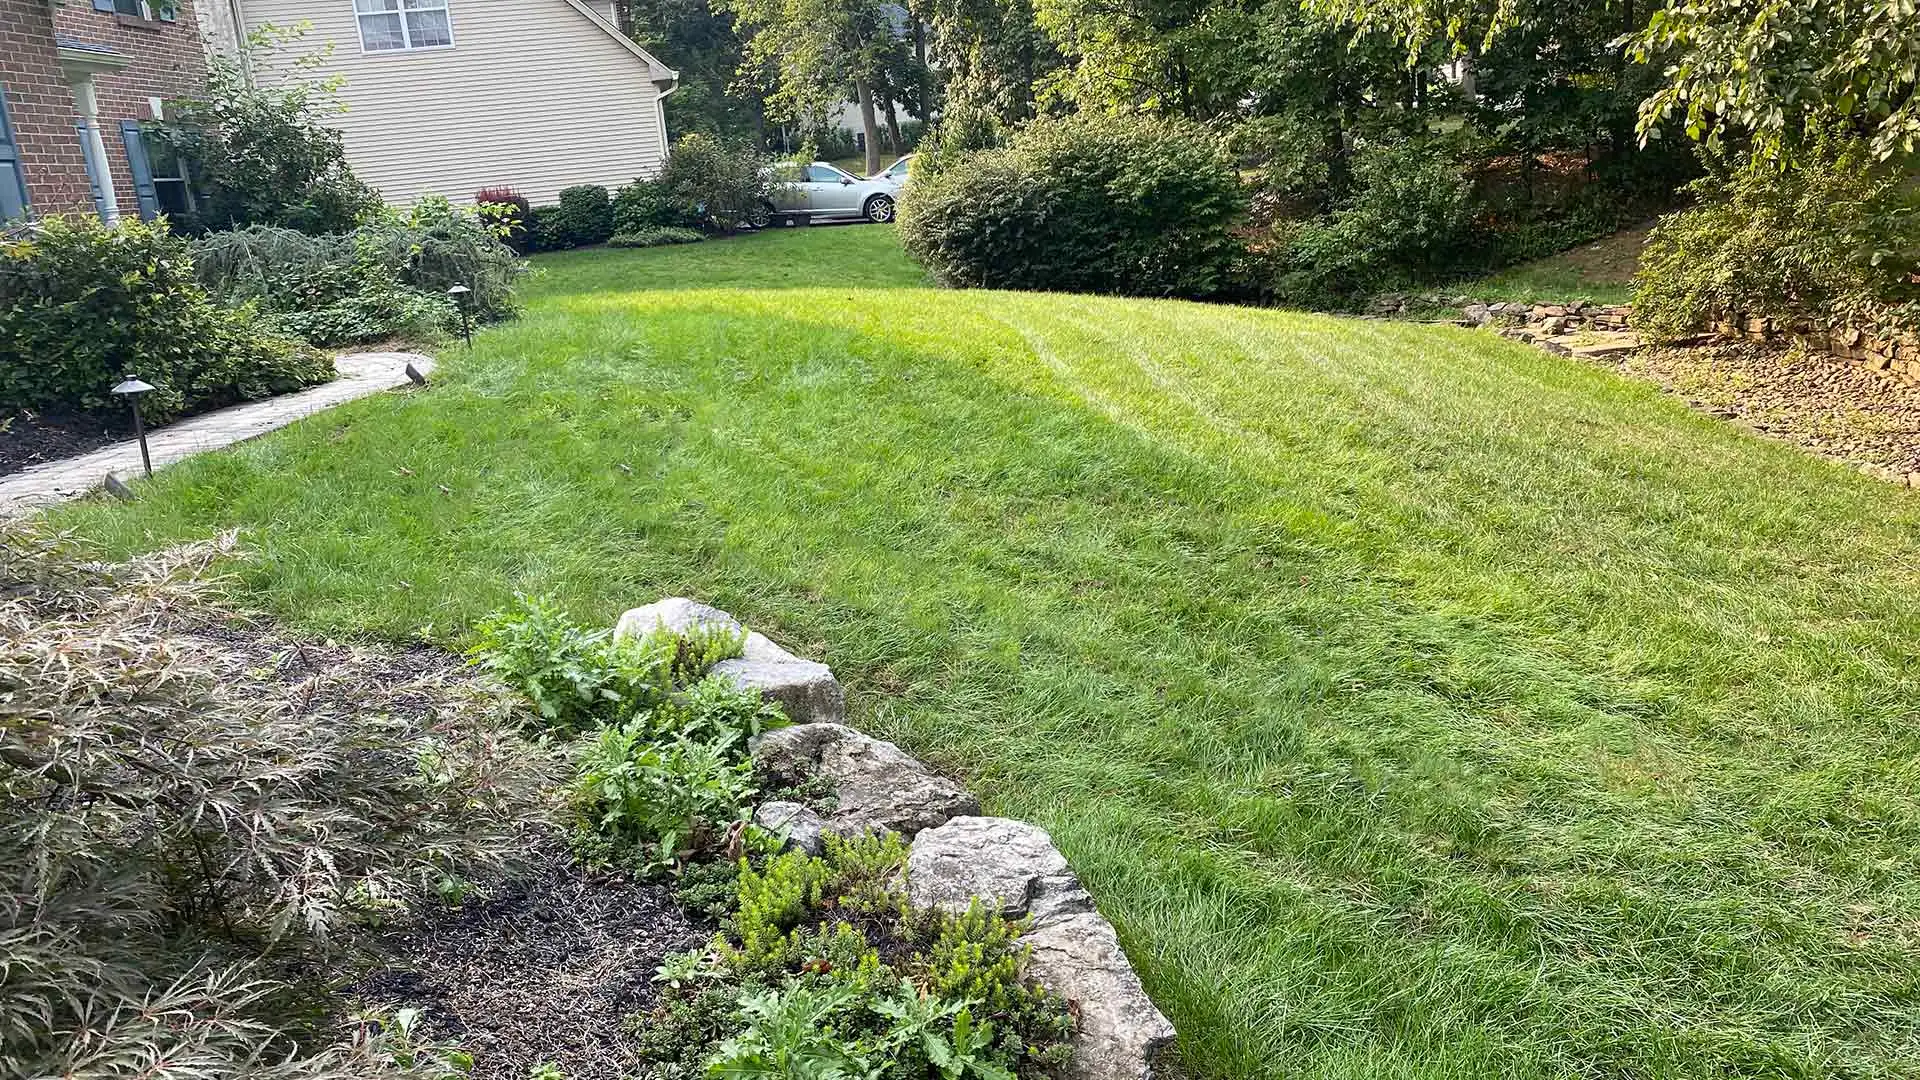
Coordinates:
(406, 33)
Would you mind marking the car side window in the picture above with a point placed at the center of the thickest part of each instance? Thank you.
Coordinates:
(820, 174)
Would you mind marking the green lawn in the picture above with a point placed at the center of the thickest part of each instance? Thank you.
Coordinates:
(1417, 703)
(1600, 271)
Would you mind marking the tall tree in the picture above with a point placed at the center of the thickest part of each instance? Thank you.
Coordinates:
(1781, 73)
(991, 54)
(815, 53)
(700, 43)
(1773, 72)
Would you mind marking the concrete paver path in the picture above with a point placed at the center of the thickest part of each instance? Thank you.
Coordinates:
(360, 374)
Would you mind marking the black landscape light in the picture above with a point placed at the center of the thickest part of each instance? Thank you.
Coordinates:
(460, 294)
(131, 388)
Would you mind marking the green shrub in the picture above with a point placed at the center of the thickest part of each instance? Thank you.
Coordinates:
(385, 279)
(645, 205)
(1112, 204)
(715, 184)
(1409, 216)
(544, 232)
(261, 150)
(83, 304)
(585, 215)
(656, 236)
(1834, 240)
(575, 678)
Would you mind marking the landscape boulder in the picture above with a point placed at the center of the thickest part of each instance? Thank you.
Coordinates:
(802, 827)
(1121, 1035)
(878, 786)
(805, 689)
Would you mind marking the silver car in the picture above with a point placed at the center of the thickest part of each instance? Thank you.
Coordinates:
(819, 192)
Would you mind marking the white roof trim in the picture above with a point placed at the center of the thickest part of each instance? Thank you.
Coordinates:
(656, 71)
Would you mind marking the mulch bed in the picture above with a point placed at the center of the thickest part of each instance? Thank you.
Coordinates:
(545, 970)
(29, 438)
(1837, 409)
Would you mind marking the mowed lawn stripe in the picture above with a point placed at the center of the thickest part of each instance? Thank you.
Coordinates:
(1416, 703)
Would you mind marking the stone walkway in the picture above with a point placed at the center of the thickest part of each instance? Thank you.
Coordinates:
(56, 481)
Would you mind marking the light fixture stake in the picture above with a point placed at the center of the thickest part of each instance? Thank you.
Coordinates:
(131, 388)
(460, 294)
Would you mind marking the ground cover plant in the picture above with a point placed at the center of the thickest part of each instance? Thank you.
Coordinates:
(1414, 702)
(795, 983)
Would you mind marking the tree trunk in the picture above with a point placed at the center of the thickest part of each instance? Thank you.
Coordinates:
(863, 92)
(893, 126)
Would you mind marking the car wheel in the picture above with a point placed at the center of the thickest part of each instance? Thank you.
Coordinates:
(880, 209)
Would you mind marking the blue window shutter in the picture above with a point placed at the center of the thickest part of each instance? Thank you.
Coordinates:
(13, 178)
(142, 175)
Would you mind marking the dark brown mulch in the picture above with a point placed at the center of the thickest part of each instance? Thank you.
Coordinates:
(545, 970)
(30, 438)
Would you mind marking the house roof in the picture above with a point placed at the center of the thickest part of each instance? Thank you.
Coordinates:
(656, 71)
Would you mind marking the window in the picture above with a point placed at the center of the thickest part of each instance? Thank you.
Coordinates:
(396, 25)
(172, 188)
(825, 174)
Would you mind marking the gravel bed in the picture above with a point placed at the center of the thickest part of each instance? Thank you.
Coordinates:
(1835, 408)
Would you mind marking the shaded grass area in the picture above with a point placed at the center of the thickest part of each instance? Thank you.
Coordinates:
(1600, 271)
(1415, 702)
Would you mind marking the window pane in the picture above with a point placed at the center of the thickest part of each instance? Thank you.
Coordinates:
(173, 198)
(429, 28)
(820, 174)
(381, 33)
(129, 7)
(425, 5)
(374, 7)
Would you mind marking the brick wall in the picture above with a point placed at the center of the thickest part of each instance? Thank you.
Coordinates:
(41, 107)
(165, 60)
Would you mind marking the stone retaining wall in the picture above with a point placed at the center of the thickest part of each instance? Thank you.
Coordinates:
(1895, 355)
(956, 856)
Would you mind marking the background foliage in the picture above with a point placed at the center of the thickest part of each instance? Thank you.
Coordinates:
(261, 150)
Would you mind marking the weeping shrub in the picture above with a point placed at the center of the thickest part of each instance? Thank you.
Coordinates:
(385, 279)
(194, 824)
(83, 304)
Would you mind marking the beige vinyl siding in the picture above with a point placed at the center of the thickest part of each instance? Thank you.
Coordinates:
(531, 95)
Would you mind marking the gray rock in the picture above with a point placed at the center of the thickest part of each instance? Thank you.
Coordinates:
(1477, 314)
(805, 689)
(1076, 954)
(802, 827)
(676, 614)
(1010, 864)
(1120, 1035)
(879, 787)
